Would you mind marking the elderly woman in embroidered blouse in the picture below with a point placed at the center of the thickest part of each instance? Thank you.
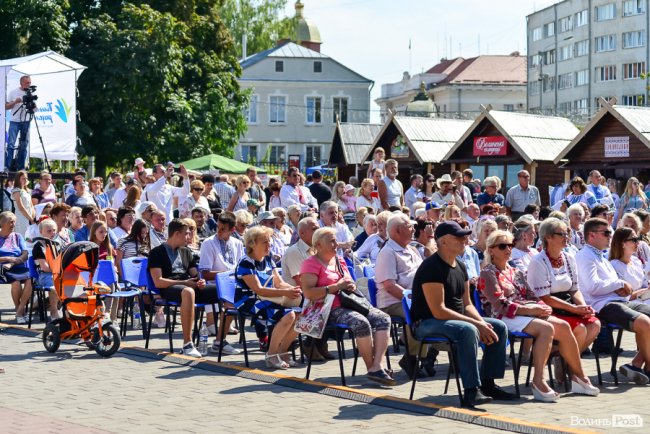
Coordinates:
(505, 295)
(553, 278)
(370, 248)
(576, 216)
(524, 238)
(622, 255)
(630, 220)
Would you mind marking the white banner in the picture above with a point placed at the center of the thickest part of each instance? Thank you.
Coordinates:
(617, 147)
(55, 115)
(4, 126)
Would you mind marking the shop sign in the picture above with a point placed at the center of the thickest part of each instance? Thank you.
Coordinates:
(490, 146)
(399, 148)
(617, 147)
(294, 161)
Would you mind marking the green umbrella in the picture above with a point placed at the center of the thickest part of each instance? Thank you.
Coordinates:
(220, 163)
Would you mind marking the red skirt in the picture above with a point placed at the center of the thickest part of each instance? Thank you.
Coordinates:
(575, 321)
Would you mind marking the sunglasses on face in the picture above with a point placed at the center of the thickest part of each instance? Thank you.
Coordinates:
(503, 246)
(561, 234)
(634, 240)
(606, 232)
(197, 189)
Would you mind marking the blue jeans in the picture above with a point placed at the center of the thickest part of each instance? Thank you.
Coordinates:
(465, 336)
(16, 128)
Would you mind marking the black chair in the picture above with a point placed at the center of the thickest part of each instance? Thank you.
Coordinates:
(615, 349)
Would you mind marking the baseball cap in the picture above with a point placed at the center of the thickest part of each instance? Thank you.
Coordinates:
(432, 205)
(252, 202)
(266, 215)
(139, 161)
(450, 228)
(348, 187)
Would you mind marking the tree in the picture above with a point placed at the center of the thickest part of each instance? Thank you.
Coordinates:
(157, 86)
(32, 26)
(259, 20)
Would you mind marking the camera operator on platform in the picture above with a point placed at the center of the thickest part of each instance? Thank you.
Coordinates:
(20, 120)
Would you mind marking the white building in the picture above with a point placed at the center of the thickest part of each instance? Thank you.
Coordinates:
(580, 50)
(459, 86)
(297, 94)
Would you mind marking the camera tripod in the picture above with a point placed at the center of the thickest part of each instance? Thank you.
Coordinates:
(30, 113)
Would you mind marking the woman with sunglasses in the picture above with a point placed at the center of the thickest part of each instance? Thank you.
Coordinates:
(506, 295)
(195, 199)
(429, 187)
(633, 197)
(424, 240)
(552, 275)
(630, 220)
(622, 255)
(241, 196)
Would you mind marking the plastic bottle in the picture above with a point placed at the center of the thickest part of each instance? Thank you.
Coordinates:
(137, 318)
(203, 339)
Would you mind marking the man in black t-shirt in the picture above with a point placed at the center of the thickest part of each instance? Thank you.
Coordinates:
(175, 274)
(319, 190)
(442, 305)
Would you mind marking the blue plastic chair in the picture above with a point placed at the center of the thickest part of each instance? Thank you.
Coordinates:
(368, 271)
(226, 286)
(350, 266)
(106, 274)
(439, 342)
(37, 290)
(395, 321)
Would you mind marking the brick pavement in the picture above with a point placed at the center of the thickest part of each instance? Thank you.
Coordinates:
(584, 412)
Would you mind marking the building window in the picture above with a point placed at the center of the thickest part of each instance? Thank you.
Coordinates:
(314, 107)
(606, 73)
(634, 39)
(277, 153)
(549, 57)
(633, 70)
(565, 24)
(249, 154)
(341, 109)
(633, 7)
(318, 66)
(533, 61)
(634, 100)
(605, 43)
(537, 34)
(565, 81)
(250, 112)
(605, 12)
(533, 87)
(313, 154)
(580, 106)
(564, 108)
(549, 29)
(548, 84)
(279, 66)
(565, 53)
(582, 48)
(582, 18)
(582, 77)
(278, 109)
(508, 107)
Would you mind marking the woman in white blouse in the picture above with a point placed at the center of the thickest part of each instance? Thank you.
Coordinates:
(576, 215)
(524, 240)
(633, 222)
(552, 276)
(373, 244)
(365, 195)
(622, 255)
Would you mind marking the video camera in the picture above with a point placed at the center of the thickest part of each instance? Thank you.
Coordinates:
(29, 99)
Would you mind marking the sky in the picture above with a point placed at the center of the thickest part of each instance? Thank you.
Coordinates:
(372, 37)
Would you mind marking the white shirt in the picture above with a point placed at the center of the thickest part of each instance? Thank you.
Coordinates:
(161, 194)
(597, 278)
(397, 263)
(632, 273)
(293, 259)
(449, 197)
(119, 232)
(522, 258)
(394, 191)
(363, 202)
(343, 234)
(289, 196)
(543, 279)
(411, 196)
(18, 113)
(370, 248)
(118, 198)
(219, 255)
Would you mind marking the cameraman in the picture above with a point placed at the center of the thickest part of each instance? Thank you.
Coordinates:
(20, 121)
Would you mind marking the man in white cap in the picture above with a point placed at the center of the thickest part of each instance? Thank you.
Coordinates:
(446, 194)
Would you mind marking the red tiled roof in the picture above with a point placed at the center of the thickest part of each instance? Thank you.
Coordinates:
(483, 69)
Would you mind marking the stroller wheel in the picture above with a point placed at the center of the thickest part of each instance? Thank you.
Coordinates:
(51, 338)
(108, 343)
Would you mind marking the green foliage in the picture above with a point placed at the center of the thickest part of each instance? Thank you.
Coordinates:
(32, 26)
(261, 22)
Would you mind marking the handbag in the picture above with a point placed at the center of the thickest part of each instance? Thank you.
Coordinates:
(283, 301)
(353, 300)
(315, 314)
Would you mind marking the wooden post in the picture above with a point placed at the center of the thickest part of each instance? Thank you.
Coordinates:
(533, 172)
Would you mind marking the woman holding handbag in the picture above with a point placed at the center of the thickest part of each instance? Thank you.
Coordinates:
(326, 273)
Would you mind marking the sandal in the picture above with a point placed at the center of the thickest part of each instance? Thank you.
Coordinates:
(289, 360)
(275, 361)
(381, 377)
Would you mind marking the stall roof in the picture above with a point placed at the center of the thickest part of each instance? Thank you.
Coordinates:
(218, 162)
(356, 139)
(534, 137)
(429, 138)
(636, 119)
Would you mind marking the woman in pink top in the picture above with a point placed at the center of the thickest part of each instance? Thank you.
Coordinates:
(326, 273)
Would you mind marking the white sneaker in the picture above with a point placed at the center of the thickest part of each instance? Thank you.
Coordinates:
(22, 319)
(190, 350)
(227, 348)
(212, 329)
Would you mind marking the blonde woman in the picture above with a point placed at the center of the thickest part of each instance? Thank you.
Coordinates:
(484, 228)
(22, 198)
(243, 219)
(632, 198)
(194, 199)
(365, 198)
(338, 190)
(451, 212)
(282, 229)
(241, 196)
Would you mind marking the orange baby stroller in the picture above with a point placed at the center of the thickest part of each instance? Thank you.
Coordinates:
(81, 300)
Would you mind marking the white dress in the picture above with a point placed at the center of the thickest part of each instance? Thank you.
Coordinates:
(22, 222)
